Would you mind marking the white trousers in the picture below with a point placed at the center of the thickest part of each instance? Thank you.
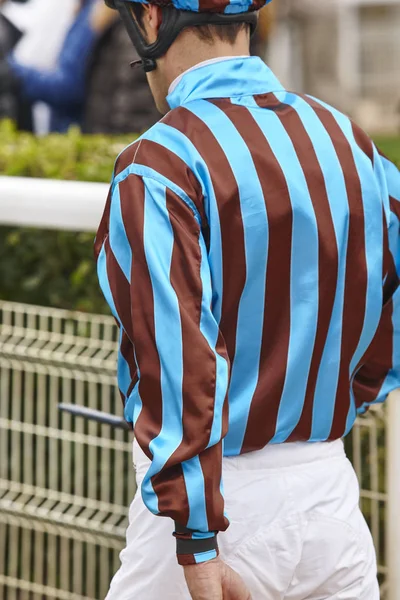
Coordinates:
(296, 531)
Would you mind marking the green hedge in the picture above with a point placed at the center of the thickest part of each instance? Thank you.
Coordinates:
(391, 147)
(70, 156)
(54, 268)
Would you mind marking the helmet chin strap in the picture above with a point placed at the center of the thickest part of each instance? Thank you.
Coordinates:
(148, 64)
(173, 22)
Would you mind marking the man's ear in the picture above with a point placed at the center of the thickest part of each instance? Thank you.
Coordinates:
(154, 17)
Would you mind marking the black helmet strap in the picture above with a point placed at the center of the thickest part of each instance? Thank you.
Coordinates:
(173, 22)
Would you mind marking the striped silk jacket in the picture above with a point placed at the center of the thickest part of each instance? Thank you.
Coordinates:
(250, 252)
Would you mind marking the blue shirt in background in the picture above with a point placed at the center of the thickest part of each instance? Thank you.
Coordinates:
(63, 89)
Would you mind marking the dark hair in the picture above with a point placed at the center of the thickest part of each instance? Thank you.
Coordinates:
(224, 33)
(206, 33)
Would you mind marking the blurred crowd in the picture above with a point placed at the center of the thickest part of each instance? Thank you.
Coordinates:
(67, 63)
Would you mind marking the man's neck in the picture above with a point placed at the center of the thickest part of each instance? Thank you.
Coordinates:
(184, 56)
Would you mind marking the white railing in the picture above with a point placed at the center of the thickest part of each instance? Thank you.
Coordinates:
(65, 484)
(51, 204)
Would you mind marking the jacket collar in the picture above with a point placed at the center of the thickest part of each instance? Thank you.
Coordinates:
(225, 79)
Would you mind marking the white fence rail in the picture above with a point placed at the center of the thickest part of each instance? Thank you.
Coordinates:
(52, 204)
(65, 484)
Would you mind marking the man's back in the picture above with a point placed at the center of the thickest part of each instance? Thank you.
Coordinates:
(294, 210)
(248, 251)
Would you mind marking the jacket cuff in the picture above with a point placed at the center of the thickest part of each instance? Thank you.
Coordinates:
(193, 547)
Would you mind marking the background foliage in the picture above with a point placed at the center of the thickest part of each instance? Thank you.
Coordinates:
(55, 268)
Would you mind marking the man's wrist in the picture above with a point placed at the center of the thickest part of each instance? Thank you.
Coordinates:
(193, 548)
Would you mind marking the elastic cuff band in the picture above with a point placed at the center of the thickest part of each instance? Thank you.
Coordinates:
(196, 546)
(194, 559)
(192, 548)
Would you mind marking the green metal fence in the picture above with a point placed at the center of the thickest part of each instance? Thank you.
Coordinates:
(65, 483)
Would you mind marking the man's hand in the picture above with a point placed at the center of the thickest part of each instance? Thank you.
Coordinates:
(214, 580)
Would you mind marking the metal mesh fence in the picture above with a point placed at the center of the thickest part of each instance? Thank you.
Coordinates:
(66, 483)
(365, 447)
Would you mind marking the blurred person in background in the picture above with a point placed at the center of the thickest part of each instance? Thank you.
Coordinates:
(63, 88)
(118, 99)
(12, 106)
(33, 18)
(86, 87)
